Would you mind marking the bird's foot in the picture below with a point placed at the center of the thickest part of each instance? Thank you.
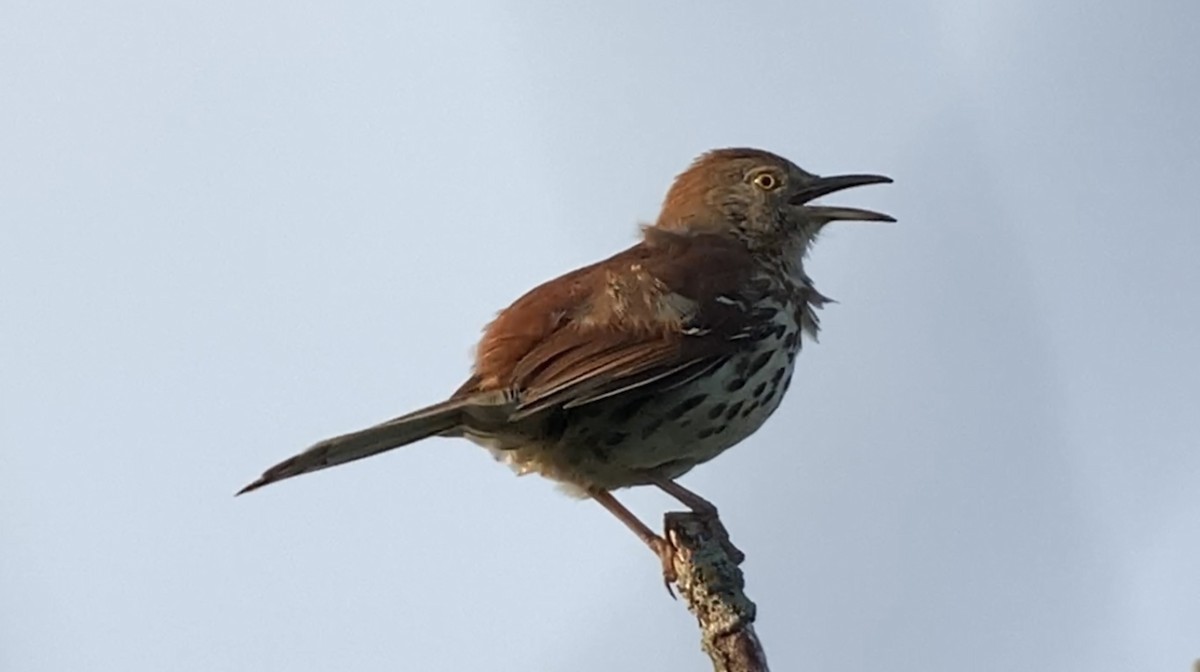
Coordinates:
(666, 552)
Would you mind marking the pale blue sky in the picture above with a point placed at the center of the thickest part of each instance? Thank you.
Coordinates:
(231, 229)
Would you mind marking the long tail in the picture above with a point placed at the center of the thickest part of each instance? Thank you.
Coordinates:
(394, 433)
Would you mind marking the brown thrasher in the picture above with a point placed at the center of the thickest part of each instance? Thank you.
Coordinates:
(637, 368)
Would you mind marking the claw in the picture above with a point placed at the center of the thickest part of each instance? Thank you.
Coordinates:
(666, 554)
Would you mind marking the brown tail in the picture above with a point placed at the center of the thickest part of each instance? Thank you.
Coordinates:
(395, 433)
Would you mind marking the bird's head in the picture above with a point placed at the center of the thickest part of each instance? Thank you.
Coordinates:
(759, 197)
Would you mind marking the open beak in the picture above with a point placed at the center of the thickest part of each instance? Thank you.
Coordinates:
(821, 186)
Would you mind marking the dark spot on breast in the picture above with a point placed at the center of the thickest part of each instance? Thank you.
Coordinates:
(721, 428)
(760, 388)
(778, 376)
(627, 410)
(787, 383)
(779, 331)
(789, 341)
(716, 411)
(735, 384)
(615, 438)
(706, 432)
(770, 395)
(759, 362)
(750, 409)
(765, 313)
(685, 406)
(651, 427)
(741, 365)
(733, 411)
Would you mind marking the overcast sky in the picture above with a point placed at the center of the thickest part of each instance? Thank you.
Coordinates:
(230, 229)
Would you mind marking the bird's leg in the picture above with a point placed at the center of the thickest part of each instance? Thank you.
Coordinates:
(688, 498)
(661, 547)
(705, 510)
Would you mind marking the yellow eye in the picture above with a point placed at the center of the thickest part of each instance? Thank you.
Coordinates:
(766, 182)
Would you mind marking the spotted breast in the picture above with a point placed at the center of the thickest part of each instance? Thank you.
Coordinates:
(634, 439)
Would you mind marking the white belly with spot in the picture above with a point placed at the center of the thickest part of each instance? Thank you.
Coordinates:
(669, 434)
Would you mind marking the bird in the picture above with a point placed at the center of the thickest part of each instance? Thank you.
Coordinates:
(635, 369)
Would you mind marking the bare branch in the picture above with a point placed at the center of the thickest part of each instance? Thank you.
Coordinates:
(710, 583)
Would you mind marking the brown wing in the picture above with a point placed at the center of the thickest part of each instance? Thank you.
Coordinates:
(660, 313)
